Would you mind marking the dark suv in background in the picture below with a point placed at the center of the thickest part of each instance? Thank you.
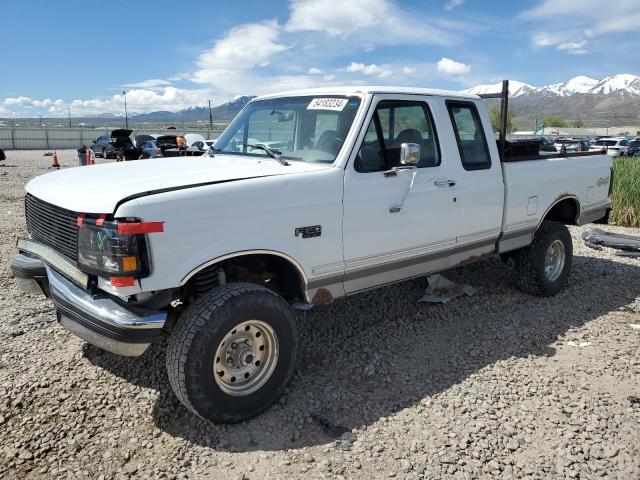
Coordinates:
(117, 144)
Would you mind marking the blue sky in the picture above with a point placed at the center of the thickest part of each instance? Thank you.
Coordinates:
(171, 55)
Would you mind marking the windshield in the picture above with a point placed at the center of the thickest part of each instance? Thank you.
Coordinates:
(309, 128)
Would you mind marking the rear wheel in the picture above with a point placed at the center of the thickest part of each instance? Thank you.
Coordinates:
(233, 352)
(543, 268)
(104, 153)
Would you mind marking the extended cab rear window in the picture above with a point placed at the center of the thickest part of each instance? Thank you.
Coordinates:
(472, 143)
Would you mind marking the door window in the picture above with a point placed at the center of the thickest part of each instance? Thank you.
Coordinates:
(394, 123)
(472, 143)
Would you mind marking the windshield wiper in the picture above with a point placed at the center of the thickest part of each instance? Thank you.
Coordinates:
(273, 153)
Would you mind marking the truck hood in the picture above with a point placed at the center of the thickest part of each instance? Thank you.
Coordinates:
(99, 188)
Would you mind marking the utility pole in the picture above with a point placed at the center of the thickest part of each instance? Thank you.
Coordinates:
(126, 115)
(69, 110)
(210, 117)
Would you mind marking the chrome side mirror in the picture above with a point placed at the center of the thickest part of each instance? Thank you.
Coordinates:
(409, 154)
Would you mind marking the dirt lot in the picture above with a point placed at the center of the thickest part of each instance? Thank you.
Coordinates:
(498, 384)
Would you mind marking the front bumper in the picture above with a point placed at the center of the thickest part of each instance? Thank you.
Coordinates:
(98, 319)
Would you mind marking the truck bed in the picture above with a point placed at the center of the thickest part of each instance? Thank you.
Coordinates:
(533, 187)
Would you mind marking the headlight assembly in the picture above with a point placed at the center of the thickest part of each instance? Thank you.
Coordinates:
(106, 249)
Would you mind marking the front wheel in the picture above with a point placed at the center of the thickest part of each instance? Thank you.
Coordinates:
(233, 352)
(543, 267)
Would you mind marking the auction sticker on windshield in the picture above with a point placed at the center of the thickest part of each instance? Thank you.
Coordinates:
(328, 104)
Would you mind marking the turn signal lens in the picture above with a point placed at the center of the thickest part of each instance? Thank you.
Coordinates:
(129, 264)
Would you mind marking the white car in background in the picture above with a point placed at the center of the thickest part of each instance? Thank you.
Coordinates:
(615, 146)
(570, 144)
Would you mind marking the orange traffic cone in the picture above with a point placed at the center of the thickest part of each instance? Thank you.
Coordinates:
(55, 163)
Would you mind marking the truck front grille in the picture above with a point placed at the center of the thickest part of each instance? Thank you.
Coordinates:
(52, 226)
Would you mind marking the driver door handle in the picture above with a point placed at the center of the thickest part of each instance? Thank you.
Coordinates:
(445, 183)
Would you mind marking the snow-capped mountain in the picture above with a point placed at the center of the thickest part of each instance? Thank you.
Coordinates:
(620, 84)
(516, 88)
(579, 84)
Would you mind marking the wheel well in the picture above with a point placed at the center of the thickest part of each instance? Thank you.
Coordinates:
(269, 270)
(565, 211)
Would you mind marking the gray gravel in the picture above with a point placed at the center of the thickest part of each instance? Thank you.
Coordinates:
(495, 384)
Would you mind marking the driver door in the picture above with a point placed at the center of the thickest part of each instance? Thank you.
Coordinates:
(398, 221)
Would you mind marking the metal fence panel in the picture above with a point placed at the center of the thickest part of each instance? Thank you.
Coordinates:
(25, 138)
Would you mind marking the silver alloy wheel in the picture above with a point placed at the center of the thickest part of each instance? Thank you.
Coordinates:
(554, 260)
(246, 358)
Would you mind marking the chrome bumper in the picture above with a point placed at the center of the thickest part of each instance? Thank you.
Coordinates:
(98, 319)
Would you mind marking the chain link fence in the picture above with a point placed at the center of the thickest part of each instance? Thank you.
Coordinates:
(26, 138)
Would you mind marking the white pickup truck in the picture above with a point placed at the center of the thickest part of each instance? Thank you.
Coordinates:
(306, 197)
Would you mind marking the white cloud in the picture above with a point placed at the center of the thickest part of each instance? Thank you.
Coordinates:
(372, 69)
(451, 67)
(451, 4)
(573, 20)
(138, 100)
(29, 102)
(542, 40)
(4, 112)
(242, 48)
(370, 22)
(408, 70)
(152, 82)
(566, 41)
(575, 48)
(315, 71)
(328, 77)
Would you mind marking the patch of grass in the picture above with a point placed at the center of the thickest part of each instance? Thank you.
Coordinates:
(626, 192)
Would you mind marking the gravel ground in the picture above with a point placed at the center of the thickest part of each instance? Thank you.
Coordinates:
(499, 384)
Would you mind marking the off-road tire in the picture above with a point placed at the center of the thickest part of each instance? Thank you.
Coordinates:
(529, 271)
(193, 342)
(104, 153)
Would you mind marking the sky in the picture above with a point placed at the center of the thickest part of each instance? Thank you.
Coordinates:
(171, 55)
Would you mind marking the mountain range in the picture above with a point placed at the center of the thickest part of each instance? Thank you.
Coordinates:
(221, 113)
(611, 101)
(623, 84)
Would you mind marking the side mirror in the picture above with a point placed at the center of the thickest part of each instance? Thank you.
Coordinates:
(409, 154)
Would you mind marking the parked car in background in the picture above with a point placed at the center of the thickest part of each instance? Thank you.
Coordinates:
(176, 146)
(138, 140)
(614, 146)
(2, 155)
(563, 142)
(633, 150)
(196, 143)
(572, 144)
(168, 145)
(149, 149)
(547, 145)
(117, 144)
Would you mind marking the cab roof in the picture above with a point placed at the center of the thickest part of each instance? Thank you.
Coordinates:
(370, 90)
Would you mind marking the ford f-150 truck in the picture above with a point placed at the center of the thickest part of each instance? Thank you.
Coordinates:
(307, 196)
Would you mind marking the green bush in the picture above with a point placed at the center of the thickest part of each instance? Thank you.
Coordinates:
(626, 192)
